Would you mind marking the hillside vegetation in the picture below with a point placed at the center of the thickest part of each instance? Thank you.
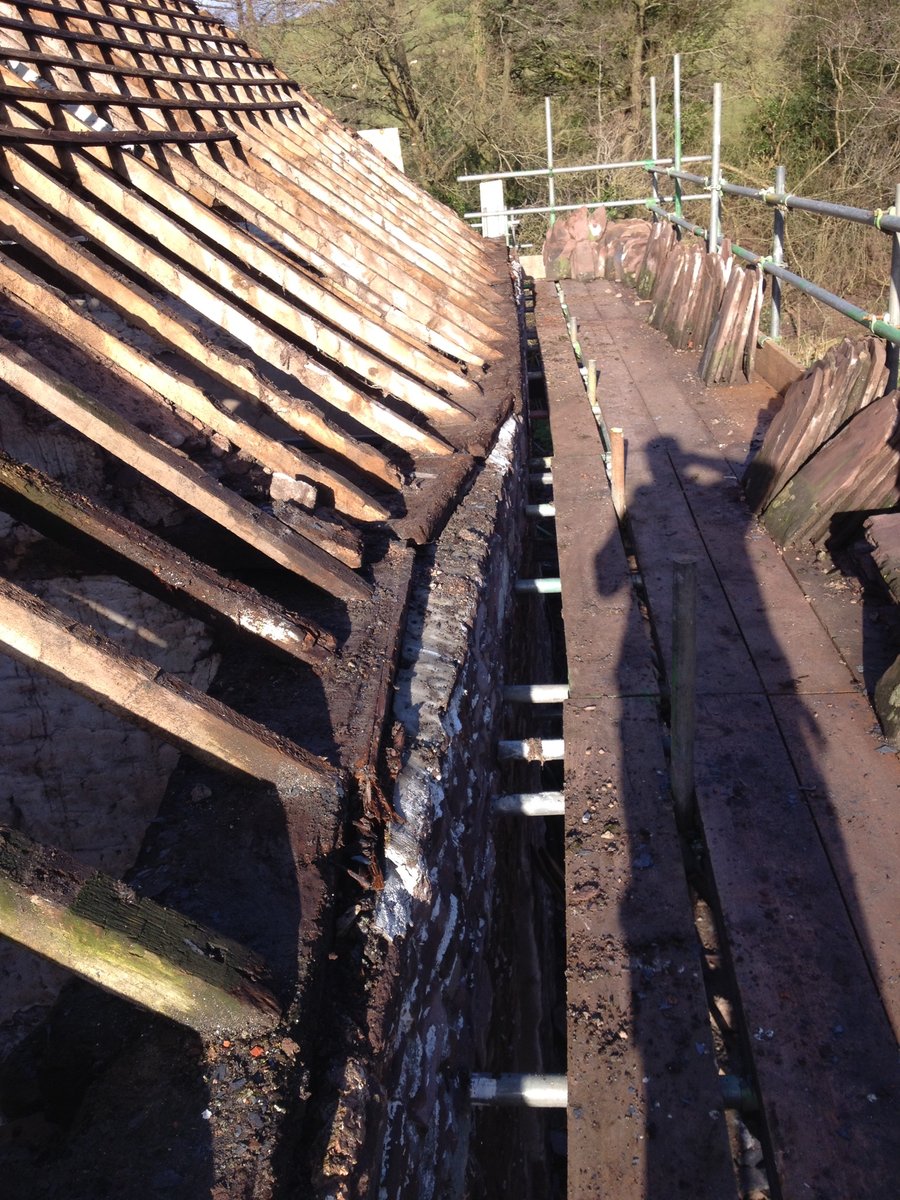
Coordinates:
(812, 84)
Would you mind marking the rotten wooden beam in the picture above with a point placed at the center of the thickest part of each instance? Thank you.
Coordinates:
(54, 96)
(127, 944)
(176, 473)
(251, 189)
(106, 18)
(412, 255)
(358, 173)
(149, 51)
(42, 637)
(69, 517)
(329, 340)
(374, 369)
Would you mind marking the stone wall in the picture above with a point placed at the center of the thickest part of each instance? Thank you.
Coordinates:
(401, 1125)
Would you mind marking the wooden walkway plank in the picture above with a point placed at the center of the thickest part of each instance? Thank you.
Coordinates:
(42, 637)
(853, 795)
(599, 611)
(645, 1107)
(808, 907)
(175, 472)
(66, 516)
(651, 398)
(645, 1102)
(825, 1057)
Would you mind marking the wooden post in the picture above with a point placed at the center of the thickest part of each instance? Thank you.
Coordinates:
(683, 693)
(617, 470)
(592, 382)
(98, 928)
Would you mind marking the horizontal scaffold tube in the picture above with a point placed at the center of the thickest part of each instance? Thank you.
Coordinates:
(532, 750)
(536, 693)
(539, 587)
(874, 324)
(888, 222)
(529, 1091)
(531, 804)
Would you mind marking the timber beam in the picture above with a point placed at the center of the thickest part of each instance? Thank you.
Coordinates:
(99, 928)
(228, 316)
(42, 637)
(176, 473)
(64, 515)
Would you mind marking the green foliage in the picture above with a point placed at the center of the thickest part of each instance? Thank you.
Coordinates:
(813, 84)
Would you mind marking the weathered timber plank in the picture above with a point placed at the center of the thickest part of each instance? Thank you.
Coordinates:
(175, 472)
(63, 515)
(44, 638)
(55, 96)
(105, 137)
(790, 649)
(24, 53)
(272, 348)
(151, 376)
(852, 790)
(606, 647)
(824, 1055)
(645, 1106)
(83, 39)
(152, 30)
(100, 929)
(855, 472)
(151, 314)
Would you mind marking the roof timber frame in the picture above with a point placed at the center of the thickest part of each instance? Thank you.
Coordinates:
(53, 509)
(155, 163)
(329, 340)
(175, 472)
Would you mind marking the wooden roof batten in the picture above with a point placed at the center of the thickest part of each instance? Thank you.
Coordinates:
(181, 215)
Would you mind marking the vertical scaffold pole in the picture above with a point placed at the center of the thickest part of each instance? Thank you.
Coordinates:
(676, 110)
(893, 349)
(654, 140)
(777, 254)
(551, 182)
(715, 180)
